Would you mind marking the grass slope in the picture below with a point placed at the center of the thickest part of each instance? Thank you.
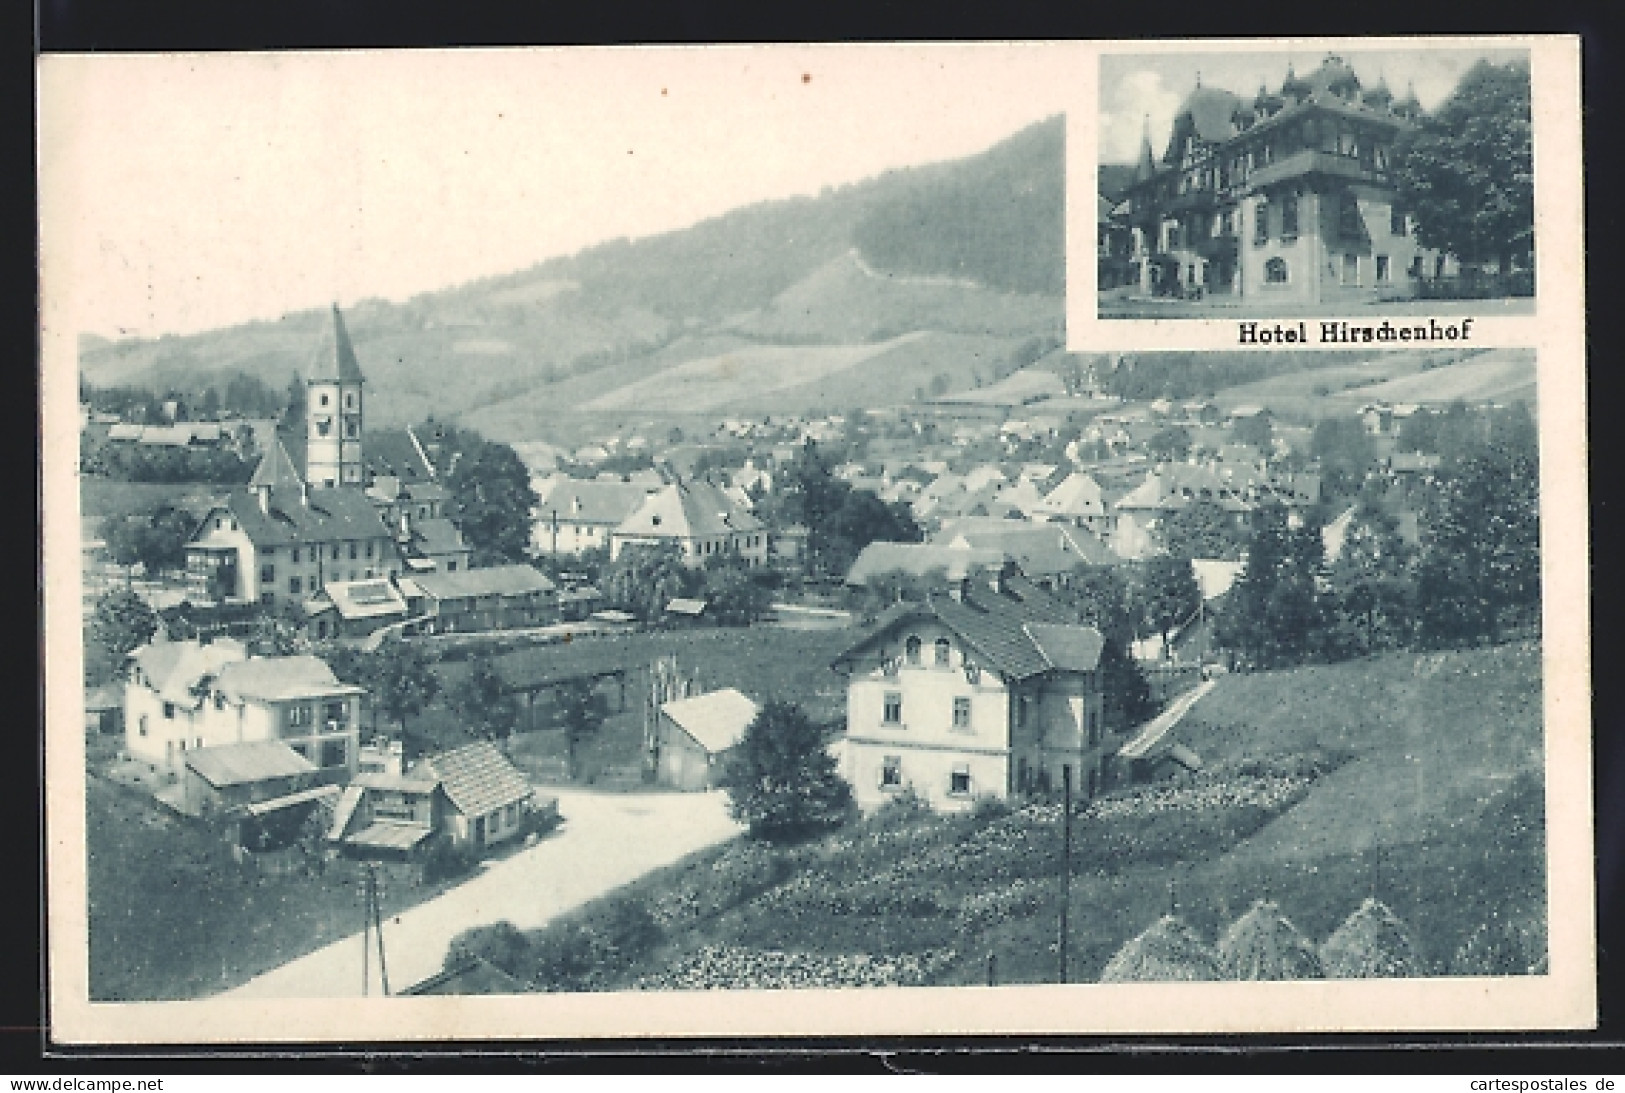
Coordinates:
(1311, 799)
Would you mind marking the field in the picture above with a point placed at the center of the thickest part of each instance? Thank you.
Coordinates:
(1413, 779)
(100, 498)
(1436, 377)
(763, 662)
(1502, 375)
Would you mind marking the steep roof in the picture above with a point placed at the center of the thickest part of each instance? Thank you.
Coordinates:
(334, 360)
(717, 720)
(275, 679)
(276, 469)
(436, 535)
(397, 453)
(1078, 495)
(175, 667)
(1018, 631)
(498, 580)
(691, 509)
(241, 764)
(580, 501)
(478, 778)
(322, 516)
(1040, 549)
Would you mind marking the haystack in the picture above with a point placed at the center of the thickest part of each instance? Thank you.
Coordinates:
(1500, 947)
(1371, 944)
(1263, 944)
(1169, 950)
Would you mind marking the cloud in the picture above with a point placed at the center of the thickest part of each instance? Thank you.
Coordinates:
(1126, 104)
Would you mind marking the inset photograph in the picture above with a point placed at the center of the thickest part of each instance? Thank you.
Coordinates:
(1261, 185)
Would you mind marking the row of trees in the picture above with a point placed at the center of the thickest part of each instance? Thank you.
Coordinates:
(218, 465)
(645, 578)
(840, 520)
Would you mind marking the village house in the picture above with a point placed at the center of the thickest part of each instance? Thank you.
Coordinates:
(292, 531)
(473, 797)
(693, 737)
(354, 609)
(184, 696)
(576, 515)
(1287, 197)
(502, 597)
(415, 512)
(989, 691)
(254, 781)
(700, 519)
(1078, 500)
(1048, 554)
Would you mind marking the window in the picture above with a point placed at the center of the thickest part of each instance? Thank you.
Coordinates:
(1351, 269)
(891, 772)
(451, 566)
(1383, 276)
(961, 713)
(169, 711)
(1416, 266)
(911, 649)
(942, 648)
(349, 428)
(298, 715)
(267, 574)
(1261, 223)
(1396, 222)
(323, 426)
(370, 547)
(335, 545)
(337, 711)
(219, 701)
(959, 781)
(349, 400)
(324, 399)
(295, 555)
(1289, 218)
(267, 597)
(352, 552)
(893, 709)
(142, 726)
(294, 586)
(1021, 710)
(1275, 271)
(219, 522)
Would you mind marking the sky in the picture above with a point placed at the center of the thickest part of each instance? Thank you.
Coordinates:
(1134, 88)
(186, 192)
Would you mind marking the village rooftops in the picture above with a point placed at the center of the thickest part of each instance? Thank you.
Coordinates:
(241, 764)
(292, 518)
(717, 721)
(369, 599)
(278, 679)
(477, 778)
(688, 510)
(919, 560)
(500, 580)
(173, 668)
(1016, 629)
(1041, 549)
(579, 501)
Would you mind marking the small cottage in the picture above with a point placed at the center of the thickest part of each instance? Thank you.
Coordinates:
(695, 735)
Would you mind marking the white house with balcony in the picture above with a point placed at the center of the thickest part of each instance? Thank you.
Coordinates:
(182, 696)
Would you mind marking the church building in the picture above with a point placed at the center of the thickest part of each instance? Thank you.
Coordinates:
(1286, 198)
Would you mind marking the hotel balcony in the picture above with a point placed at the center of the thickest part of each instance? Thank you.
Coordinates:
(1301, 164)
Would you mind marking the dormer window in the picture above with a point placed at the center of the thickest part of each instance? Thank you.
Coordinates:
(942, 650)
(911, 650)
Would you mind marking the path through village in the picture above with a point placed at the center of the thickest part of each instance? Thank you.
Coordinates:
(605, 841)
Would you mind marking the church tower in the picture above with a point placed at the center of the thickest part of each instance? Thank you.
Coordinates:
(333, 412)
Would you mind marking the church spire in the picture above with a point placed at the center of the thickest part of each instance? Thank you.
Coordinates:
(1147, 165)
(335, 360)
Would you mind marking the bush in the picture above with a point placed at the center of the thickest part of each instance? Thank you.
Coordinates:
(901, 809)
(989, 808)
(500, 944)
(445, 861)
(563, 956)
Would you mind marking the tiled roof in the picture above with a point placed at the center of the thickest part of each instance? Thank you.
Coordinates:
(1019, 632)
(1078, 495)
(689, 509)
(395, 453)
(241, 764)
(578, 501)
(323, 516)
(478, 778)
(367, 599)
(276, 469)
(436, 535)
(717, 720)
(274, 679)
(1040, 549)
(499, 580)
(334, 361)
(174, 667)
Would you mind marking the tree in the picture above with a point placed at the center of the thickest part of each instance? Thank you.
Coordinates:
(279, 631)
(1467, 172)
(482, 700)
(1202, 529)
(581, 710)
(1171, 443)
(1257, 430)
(1345, 453)
(403, 682)
(645, 578)
(781, 779)
(1481, 548)
(1125, 692)
(1169, 594)
(491, 502)
(736, 597)
(120, 623)
(156, 537)
(1275, 614)
(1101, 597)
(1373, 582)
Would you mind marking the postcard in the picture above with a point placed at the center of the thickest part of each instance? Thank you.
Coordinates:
(865, 540)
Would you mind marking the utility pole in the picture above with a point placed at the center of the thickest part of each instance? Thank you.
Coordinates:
(1066, 858)
(372, 921)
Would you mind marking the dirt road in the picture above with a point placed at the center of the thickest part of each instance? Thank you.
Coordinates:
(606, 840)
